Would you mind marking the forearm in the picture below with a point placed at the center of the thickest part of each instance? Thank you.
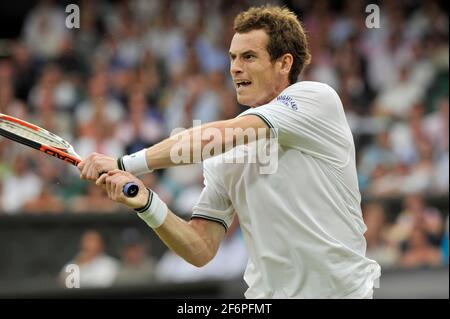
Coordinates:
(185, 240)
(196, 144)
(196, 241)
(187, 146)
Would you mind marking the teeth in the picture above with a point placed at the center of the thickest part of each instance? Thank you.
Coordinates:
(243, 83)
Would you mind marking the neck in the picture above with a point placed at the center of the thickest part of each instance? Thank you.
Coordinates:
(280, 88)
(277, 90)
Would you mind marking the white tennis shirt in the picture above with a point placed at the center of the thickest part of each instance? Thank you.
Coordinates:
(302, 224)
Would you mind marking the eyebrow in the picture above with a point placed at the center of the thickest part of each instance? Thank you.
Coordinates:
(231, 54)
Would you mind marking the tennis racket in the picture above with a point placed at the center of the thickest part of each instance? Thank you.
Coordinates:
(49, 143)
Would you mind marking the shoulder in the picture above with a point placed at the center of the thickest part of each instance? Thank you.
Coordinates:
(304, 96)
(309, 89)
(313, 96)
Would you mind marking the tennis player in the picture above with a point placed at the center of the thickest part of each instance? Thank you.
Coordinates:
(302, 224)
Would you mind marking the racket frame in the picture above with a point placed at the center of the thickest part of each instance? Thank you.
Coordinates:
(68, 154)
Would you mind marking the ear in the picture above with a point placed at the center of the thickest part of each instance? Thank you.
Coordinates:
(285, 62)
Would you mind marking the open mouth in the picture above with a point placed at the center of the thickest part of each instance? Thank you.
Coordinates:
(241, 84)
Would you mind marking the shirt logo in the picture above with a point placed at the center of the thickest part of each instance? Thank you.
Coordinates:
(288, 101)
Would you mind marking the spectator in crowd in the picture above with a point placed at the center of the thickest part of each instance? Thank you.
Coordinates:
(435, 126)
(94, 201)
(44, 29)
(97, 135)
(99, 105)
(142, 127)
(404, 135)
(25, 71)
(49, 101)
(420, 177)
(387, 182)
(8, 103)
(97, 268)
(416, 212)
(378, 246)
(46, 202)
(20, 186)
(58, 179)
(136, 266)
(378, 153)
(419, 251)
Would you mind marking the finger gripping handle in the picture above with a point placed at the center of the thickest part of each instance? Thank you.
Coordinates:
(130, 189)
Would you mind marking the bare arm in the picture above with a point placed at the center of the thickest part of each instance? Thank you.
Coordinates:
(196, 241)
(218, 137)
(187, 147)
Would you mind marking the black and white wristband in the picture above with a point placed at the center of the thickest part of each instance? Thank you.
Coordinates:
(154, 212)
(135, 163)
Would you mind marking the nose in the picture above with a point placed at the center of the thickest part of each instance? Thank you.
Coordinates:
(235, 67)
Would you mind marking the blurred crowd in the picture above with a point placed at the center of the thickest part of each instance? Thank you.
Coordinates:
(135, 265)
(136, 70)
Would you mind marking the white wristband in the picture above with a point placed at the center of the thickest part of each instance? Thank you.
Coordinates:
(135, 163)
(154, 213)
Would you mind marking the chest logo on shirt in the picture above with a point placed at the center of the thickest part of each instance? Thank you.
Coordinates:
(288, 101)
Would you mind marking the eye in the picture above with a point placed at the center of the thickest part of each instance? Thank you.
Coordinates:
(248, 56)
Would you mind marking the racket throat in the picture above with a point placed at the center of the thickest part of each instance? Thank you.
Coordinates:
(54, 152)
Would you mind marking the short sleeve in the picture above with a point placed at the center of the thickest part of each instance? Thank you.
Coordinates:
(311, 120)
(214, 203)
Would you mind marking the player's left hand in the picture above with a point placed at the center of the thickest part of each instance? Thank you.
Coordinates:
(114, 181)
(96, 164)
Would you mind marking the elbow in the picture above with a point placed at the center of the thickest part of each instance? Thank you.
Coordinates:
(202, 256)
(203, 247)
(202, 259)
(199, 263)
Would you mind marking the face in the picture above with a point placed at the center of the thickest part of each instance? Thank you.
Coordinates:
(256, 78)
(92, 243)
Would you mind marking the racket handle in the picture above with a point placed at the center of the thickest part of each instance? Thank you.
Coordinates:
(130, 189)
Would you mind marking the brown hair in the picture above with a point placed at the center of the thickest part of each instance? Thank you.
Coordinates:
(286, 34)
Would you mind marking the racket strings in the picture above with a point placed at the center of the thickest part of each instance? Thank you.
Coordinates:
(40, 136)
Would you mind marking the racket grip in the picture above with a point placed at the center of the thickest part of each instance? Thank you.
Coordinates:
(130, 189)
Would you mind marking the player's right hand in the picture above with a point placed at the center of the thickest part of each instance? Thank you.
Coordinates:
(114, 181)
(96, 164)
